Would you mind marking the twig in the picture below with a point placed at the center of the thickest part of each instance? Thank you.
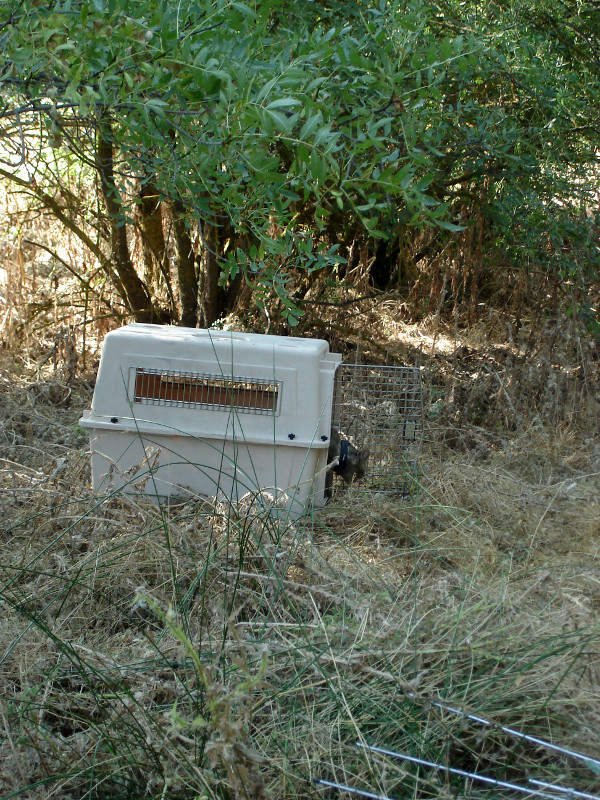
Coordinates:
(22, 158)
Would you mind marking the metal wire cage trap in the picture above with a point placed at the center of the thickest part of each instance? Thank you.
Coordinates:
(381, 408)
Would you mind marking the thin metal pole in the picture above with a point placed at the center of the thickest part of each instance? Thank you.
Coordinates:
(463, 773)
(518, 734)
(563, 790)
(350, 789)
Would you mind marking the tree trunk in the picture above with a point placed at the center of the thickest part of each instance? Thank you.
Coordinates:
(136, 295)
(186, 267)
(153, 238)
(213, 296)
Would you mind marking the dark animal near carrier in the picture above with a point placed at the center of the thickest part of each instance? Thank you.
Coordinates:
(351, 462)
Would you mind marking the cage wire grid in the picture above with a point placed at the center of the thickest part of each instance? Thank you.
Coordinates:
(381, 408)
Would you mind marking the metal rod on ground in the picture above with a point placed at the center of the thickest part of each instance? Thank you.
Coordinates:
(563, 790)
(512, 732)
(464, 774)
(350, 789)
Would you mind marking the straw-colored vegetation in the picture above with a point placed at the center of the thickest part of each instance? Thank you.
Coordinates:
(192, 651)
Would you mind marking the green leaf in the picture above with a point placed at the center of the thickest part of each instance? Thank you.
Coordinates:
(311, 125)
(156, 105)
(318, 167)
(279, 120)
(322, 135)
(449, 226)
(244, 9)
(431, 54)
(447, 50)
(284, 102)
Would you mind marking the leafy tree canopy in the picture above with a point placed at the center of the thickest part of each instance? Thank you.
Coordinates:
(280, 127)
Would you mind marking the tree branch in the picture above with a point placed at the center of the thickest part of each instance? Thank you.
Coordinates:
(73, 272)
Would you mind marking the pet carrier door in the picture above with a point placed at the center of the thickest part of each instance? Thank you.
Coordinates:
(381, 408)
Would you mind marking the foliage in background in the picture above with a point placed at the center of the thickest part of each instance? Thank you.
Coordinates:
(208, 154)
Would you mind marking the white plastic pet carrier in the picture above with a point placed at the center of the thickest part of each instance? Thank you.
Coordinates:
(180, 411)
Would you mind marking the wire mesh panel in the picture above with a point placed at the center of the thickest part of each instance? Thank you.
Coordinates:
(381, 408)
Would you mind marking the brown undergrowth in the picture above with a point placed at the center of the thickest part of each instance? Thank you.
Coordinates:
(211, 650)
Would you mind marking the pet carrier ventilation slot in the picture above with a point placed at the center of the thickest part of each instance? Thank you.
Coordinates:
(187, 389)
(212, 413)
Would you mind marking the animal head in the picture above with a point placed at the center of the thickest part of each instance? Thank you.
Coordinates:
(355, 464)
(352, 463)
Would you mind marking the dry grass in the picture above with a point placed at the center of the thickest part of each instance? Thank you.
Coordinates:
(200, 651)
